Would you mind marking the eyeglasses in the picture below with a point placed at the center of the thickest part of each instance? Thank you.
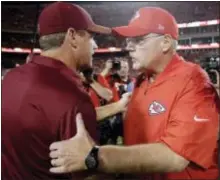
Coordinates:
(140, 39)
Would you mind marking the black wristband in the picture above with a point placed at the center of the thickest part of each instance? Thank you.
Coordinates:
(91, 160)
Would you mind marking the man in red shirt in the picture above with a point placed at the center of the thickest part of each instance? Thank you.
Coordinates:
(41, 98)
(171, 125)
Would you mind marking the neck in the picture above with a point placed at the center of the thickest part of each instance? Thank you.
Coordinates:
(160, 65)
(60, 55)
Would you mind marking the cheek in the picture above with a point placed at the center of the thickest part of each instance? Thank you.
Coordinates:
(87, 50)
(142, 56)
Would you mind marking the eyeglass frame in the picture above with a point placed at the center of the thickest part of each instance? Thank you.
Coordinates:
(138, 40)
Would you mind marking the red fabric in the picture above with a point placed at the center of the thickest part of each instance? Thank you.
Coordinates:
(150, 20)
(92, 93)
(105, 81)
(113, 89)
(168, 110)
(39, 104)
(94, 97)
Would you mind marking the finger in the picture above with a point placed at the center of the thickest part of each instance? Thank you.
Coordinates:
(57, 162)
(58, 170)
(55, 145)
(54, 154)
(81, 130)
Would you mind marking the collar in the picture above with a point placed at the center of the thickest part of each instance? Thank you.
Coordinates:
(172, 65)
(53, 63)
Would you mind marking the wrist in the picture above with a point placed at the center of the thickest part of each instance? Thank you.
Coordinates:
(120, 106)
(92, 160)
(93, 82)
(105, 72)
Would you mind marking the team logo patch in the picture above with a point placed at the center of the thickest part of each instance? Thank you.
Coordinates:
(156, 108)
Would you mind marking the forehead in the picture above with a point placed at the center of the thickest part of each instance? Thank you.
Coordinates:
(143, 37)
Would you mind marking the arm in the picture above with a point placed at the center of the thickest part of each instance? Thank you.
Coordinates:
(140, 159)
(113, 108)
(108, 110)
(103, 92)
(107, 69)
(192, 127)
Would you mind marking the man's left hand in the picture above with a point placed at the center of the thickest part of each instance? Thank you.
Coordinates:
(69, 155)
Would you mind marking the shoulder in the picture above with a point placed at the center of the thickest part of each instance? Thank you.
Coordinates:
(190, 72)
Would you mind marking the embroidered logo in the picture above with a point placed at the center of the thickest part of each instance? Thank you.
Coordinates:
(156, 108)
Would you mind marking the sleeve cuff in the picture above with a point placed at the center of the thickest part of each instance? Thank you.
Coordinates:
(202, 162)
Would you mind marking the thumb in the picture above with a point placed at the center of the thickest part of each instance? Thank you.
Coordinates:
(80, 127)
(128, 94)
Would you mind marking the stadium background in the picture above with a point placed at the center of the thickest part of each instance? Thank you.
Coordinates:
(198, 22)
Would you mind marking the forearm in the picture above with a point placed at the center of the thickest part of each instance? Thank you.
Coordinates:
(102, 91)
(108, 110)
(137, 159)
(105, 72)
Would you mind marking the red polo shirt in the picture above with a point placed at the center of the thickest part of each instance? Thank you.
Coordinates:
(39, 104)
(180, 110)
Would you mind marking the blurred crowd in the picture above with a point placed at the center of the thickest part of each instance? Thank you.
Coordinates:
(109, 13)
(19, 22)
(27, 40)
(19, 27)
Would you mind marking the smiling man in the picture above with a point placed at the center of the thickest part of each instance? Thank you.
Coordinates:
(172, 122)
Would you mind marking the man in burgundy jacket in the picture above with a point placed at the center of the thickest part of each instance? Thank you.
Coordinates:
(41, 98)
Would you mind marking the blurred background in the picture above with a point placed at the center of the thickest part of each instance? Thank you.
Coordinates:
(198, 22)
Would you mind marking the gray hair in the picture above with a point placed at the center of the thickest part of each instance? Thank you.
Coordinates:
(174, 44)
(51, 41)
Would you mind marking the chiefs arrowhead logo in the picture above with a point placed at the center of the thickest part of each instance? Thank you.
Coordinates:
(156, 108)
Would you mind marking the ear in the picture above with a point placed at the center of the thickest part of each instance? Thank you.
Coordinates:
(71, 37)
(167, 43)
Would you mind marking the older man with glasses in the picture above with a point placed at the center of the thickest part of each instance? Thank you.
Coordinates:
(171, 124)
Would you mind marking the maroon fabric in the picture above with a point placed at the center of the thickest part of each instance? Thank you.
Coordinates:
(60, 16)
(39, 103)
